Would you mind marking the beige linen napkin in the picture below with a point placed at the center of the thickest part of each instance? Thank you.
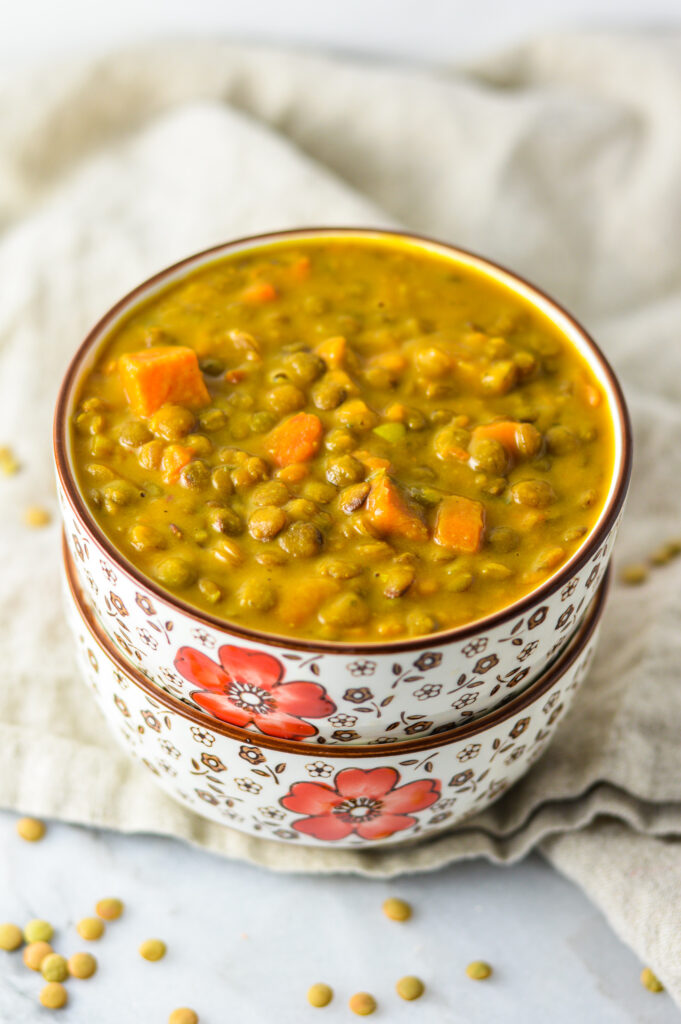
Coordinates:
(563, 160)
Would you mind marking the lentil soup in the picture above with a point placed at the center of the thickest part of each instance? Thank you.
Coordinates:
(342, 438)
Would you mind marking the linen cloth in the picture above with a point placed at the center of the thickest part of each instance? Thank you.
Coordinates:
(561, 159)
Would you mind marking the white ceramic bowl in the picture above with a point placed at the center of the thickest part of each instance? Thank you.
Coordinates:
(342, 693)
(355, 796)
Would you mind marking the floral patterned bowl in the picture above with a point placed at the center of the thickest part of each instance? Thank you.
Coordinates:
(326, 691)
(356, 796)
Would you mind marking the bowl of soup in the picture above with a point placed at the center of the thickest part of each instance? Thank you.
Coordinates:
(340, 485)
(357, 796)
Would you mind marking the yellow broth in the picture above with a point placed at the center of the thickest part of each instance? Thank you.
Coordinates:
(445, 448)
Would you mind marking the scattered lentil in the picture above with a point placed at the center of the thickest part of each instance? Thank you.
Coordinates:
(54, 996)
(183, 1015)
(362, 1003)
(410, 988)
(8, 464)
(35, 953)
(35, 516)
(650, 981)
(634, 574)
(31, 829)
(319, 994)
(153, 949)
(38, 931)
(54, 968)
(396, 909)
(82, 965)
(10, 936)
(110, 908)
(478, 970)
(666, 553)
(90, 928)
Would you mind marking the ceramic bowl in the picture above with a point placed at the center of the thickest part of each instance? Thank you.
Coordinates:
(352, 693)
(357, 796)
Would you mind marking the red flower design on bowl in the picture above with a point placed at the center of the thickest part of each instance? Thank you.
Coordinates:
(245, 689)
(367, 802)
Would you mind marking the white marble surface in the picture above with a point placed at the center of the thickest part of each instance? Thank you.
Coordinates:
(244, 945)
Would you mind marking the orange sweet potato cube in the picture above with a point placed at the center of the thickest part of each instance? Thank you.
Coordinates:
(460, 524)
(165, 373)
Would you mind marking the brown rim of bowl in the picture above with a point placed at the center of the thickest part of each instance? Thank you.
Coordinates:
(608, 517)
(533, 693)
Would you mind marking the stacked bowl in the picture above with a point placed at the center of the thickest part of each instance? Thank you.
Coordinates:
(315, 740)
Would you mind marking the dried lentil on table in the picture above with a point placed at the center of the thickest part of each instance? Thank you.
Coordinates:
(82, 965)
(90, 928)
(362, 1003)
(38, 930)
(110, 908)
(35, 953)
(479, 970)
(410, 988)
(650, 980)
(319, 994)
(397, 909)
(11, 937)
(152, 949)
(31, 829)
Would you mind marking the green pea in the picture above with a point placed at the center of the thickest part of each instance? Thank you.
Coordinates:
(391, 432)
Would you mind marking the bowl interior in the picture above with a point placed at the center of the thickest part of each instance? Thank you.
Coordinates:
(87, 355)
(525, 699)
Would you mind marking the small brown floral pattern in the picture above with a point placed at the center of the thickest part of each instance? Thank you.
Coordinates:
(341, 721)
(151, 721)
(251, 754)
(209, 798)
(249, 786)
(212, 762)
(519, 727)
(416, 728)
(365, 667)
(358, 694)
(469, 752)
(203, 736)
(427, 691)
(428, 660)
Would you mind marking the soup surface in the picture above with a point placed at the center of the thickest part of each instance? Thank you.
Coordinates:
(342, 439)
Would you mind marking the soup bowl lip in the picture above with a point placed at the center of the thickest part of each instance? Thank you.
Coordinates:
(619, 415)
(534, 692)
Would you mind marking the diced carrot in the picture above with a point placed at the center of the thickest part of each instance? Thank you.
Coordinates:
(517, 438)
(392, 360)
(389, 511)
(396, 412)
(460, 524)
(298, 603)
(453, 451)
(592, 396)
(300, 270)
(292, 474)
(259, 292)
(372, 462)
(234, 376)
(503, 431)
(175, 457)
(167, 373)
(332, 351)
(296, 439)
